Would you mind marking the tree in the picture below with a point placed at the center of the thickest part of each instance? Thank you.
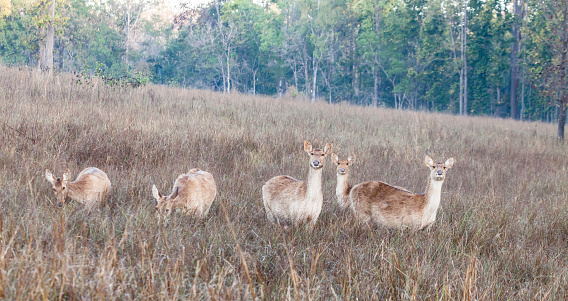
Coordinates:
(5, 8)
(370, 42)
(463, 70)
(518, 15)
(552, 28)
(47, 20)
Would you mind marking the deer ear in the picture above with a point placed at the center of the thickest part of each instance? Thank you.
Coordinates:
(351, 159)
(175, 194)
(49, 176)
(308, 146)
(429, 162)
(449, 163)
(155, 193)
(334, 158)
(66, 175)
(327, 148)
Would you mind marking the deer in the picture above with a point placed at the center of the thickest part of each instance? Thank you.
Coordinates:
(89, 188)
(192, 193)
(287, 200)
(343, 186)
(396, 207)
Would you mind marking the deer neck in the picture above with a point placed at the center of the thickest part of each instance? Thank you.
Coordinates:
(313, 189)
(432, 197)
(72, 191)
(342, 188)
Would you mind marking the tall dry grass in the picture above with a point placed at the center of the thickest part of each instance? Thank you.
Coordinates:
(501, 231)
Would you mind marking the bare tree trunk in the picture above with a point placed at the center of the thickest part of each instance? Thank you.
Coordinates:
(306, 71)
(397, 104)
(315, 78)
(229, 69)
(127, 29)
(46, 52)
(295, 75)
(356, 83)
(523, 86)
(465, 110)
(41, 52)
(355, 75)
(378, 18)
(254, 82)
(61, 50)
(461, 87)
(563, 99)
(498, 94)
(561, 121)
(462, 57)
(376, 87)
(517, 12)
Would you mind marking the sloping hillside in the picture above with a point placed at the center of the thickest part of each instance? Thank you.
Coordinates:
(501, 231)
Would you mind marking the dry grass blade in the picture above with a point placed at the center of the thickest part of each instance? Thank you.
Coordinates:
(470, 279)
(238, 247)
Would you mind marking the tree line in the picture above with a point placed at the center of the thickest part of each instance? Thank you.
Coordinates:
(503, 58)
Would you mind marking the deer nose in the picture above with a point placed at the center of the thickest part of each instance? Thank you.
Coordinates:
(342, 170)
(440, 172)
(316, 163)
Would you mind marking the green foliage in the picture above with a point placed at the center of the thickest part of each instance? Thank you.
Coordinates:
(122, 79)
(402, 53)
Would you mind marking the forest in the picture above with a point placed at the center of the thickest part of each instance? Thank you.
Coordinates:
(468, 57)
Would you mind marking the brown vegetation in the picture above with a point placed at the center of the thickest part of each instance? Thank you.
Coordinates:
(501, 230)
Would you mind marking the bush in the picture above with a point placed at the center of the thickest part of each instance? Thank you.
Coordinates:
(122, 78)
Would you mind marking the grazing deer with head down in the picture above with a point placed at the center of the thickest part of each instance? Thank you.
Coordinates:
(343, 186)
(192, 192)
(89, 188)
(396, 207)
(288, 200)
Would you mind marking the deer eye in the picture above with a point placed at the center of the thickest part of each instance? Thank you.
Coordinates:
(53, 189)
(62, 188)
(311, 154)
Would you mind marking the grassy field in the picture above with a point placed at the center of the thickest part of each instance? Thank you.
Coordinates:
(501, 231)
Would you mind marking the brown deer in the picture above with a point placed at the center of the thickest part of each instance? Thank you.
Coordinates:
(89, 188)
(288, 200)
(192, 192)
(396, 207)
(343, 187)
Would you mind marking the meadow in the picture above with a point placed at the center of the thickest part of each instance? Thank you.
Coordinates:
(501, 232)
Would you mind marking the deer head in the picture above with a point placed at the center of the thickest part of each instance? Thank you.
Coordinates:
(164, 203)
(59, 185)
(342, 165)
(438, 170)
(317, 155)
